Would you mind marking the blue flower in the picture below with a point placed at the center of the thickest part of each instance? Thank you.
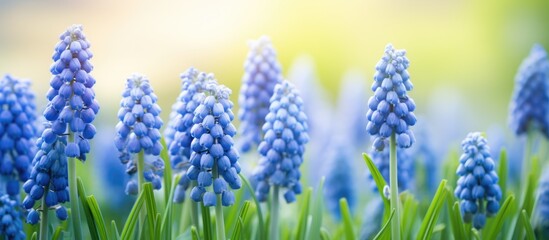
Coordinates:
(138, 130)
(391, 110)
(339, 177)
(541, 211)
(405, 168)
(350, 105)
(18, 132)
(530, 104)
(72, 106)
(214, 159)
(477, 186)
(283, 145)
(262, 73)
(11, 226)
(178, 132)
(373, 213)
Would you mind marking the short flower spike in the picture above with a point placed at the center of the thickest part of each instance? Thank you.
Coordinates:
(11, 226)
(391, 110)
(477, 186)
(405, 168)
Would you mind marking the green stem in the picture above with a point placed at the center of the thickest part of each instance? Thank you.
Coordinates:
(73, 192)
(219, 221)
(273, 230)
(526, 162)
(140, 185)
(395, 223)
(44, 217)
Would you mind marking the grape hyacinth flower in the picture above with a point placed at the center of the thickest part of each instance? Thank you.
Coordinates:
(11, 226)
(477, 186)
(391, 110)
(339, 174)
(530, 104)
(350, 105)
(138, 134)
(541, 211)
(193, 87)
(282, 149)
(262, 73)
(17, 133)
(405, 167)
(214, 159)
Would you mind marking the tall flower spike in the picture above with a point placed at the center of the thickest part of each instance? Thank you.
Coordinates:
(339, 177)
(138, 130)
(350, 105)
(541, 211)
(390, 109)
(17, 133)
(193, 87)
(11, 226)
(530, 104)
(214, 159)
(283, 145)
(262, 73)
(477, 186)
(405, 168)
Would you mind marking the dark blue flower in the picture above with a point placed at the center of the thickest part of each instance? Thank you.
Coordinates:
(391, 110)
(339, 177)
(405, 167)
(178, 132)
(283, 145)
(541, 211)
(530, 104)
(261, 73)
(18, 132)
(11, 226)
(477, 186)
(214, 159)
(138, 130)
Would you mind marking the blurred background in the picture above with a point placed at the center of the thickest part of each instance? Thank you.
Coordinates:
(464, 54)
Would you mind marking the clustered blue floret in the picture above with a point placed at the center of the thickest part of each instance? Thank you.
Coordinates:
(283, 145)
(541, 212)
(193, 87)
(391, 109)
(11, 226)
(214, 159)
(477, 186)
(530, 103)
(405, 168)
(139, 131)
(18, 133)
(262, 73)
(339, 177)
(70, 112)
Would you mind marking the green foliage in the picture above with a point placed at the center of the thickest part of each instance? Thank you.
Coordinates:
(347, 219)
(431, 217)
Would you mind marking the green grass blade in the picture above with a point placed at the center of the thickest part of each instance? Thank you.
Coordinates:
(384, 232)
(150, 205)
(316, 215)
(87, 211)
(206, 222)
(429, 222)
(498, 220)
(409, 214)
(34, 236)
(129, 226)
(502, 171)
(324, 234)
(58, 233)
(454, 214)
(114, 231)
(261, 229)
(166, 223)
(231, 215)
(194, 233)
(347, 219)
(304, 214)
(167, 171)
(157, 232)
(527, 225)
(97, 216)
(380, 183)
(238, 225)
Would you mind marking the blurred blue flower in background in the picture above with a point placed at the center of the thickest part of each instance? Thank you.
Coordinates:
(11, 226)
(405, 165)
(340, 177)
(262, 72)
(541, 210)
(350, 109)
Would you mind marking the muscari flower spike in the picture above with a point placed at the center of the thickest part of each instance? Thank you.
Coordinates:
(214, 159)
(541, 211)
(405, 167)
(193, 87)
(138, 130)
(530, 104)
(71, 109)
(262, 73)
(283, 145)
(339, 177)
(390, 109)
(11, 226)
(477, 186)
(18, 133)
